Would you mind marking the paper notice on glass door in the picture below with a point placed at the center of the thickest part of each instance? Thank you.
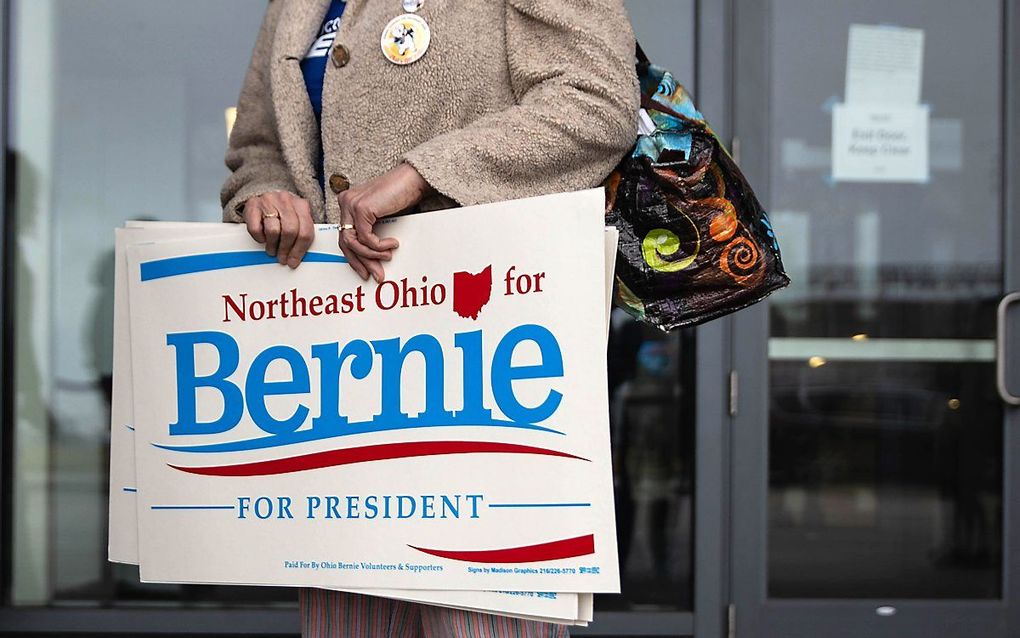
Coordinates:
(876, 143)
(884, 64)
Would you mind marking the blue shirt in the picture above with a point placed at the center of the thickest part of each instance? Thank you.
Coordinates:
(313, 66)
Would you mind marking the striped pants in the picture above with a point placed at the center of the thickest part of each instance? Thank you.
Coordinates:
(333, 614)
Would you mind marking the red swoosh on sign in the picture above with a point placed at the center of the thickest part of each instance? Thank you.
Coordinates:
(367, 453)
(554, 550)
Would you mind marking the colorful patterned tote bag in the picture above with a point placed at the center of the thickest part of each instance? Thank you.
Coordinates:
(695, 243)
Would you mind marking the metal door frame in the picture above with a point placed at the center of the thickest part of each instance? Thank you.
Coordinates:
(756, 616)
(714, 96)
(6, 317)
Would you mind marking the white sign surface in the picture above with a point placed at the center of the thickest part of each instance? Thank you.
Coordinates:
(874, 143)
(884, 65)
(123, 542)
(123, 520)
(446, 429)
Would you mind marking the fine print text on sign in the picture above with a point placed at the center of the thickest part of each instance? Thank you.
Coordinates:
(446, 429)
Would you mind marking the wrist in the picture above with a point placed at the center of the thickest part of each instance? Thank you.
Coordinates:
(417, 182)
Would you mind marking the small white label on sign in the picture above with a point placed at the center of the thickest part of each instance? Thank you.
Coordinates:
(883, 64)
(872, 143)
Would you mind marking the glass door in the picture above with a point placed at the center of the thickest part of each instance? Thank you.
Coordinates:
(873, 454)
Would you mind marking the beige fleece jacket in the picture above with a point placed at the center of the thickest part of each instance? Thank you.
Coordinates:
(513, 98)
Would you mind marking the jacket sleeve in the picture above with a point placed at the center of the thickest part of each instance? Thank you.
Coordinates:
(253, 152)
(571, 65)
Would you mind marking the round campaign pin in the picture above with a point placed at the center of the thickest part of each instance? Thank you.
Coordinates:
(405, 39)
(411, 6)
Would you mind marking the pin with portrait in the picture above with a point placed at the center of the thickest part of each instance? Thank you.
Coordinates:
(405, 39)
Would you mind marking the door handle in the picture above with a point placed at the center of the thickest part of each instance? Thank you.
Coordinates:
(1000, 349)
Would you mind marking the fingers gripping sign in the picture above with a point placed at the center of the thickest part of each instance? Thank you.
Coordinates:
(344, 240)
(363, 205)
(355, 229)
(253, 220)
(283, 222)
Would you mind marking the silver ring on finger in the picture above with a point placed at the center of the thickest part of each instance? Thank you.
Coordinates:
(346, 227)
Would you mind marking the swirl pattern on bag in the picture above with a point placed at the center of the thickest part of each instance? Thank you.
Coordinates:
(695, 243)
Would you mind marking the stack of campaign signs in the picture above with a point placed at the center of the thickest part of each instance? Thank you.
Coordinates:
(441, 437)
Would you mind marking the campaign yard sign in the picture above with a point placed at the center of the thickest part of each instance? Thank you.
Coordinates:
(445, 429)
(569, 608)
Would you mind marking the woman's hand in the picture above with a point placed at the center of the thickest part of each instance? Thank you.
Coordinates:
(361, 206)
(283, 222)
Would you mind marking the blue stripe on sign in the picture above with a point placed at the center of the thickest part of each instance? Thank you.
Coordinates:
(130, 489)
(192, 507)
(539, 504)
(189, 264)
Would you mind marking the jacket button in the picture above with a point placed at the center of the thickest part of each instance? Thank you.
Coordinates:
(338, 183)
(341, 55)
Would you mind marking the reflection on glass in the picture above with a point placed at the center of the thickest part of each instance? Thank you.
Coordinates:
(885, 432)
(652, 422)
(98, 138)
(885, 481)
